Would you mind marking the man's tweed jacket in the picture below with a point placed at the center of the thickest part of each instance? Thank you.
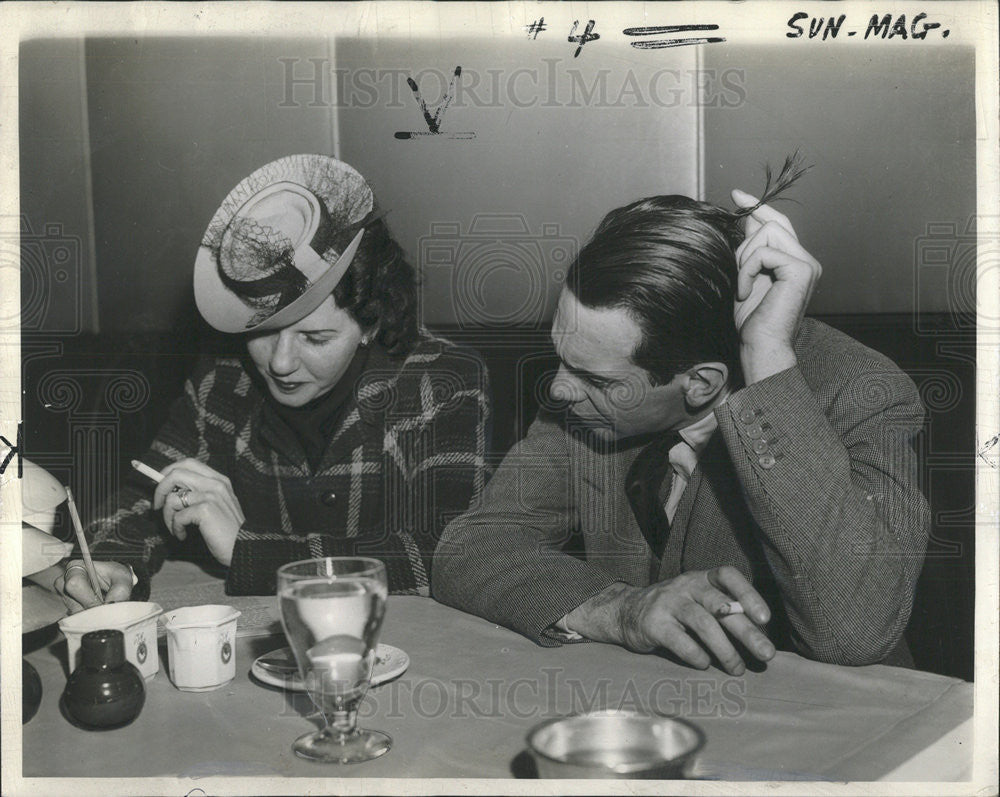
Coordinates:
(808, 487)
(407, 456)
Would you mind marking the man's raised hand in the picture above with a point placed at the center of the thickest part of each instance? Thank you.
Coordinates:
(767, 334)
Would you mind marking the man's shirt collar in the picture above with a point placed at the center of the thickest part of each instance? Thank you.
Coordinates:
(699, 433)
(694, 439)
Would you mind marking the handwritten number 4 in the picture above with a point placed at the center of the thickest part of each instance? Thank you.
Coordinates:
(586, 36)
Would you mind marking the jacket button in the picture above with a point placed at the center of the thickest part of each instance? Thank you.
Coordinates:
(755, 430)
(748, 416)
(328, 499)
(760, 446)
(766, 461)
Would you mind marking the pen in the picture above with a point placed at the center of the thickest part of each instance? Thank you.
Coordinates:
(95, 582)
(147, 471)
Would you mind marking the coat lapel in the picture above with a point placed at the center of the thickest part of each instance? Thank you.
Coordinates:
(671, 561)
(364, 422)
(711, 518)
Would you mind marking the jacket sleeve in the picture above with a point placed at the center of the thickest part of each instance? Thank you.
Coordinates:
(834, 492)
(126, 529)
(503, 560)
(434, 465)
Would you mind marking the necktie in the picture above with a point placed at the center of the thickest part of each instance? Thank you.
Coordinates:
(647, 486)
(683, 459)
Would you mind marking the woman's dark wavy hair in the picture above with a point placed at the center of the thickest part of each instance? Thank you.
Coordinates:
(670, 262)
(379, 289)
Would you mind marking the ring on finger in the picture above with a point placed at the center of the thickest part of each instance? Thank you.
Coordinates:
(71, 567)
(183, 495)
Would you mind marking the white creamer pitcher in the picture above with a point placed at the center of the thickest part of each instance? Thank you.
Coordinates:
(201, 646)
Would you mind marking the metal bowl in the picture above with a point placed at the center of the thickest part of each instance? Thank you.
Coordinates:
(615, 744)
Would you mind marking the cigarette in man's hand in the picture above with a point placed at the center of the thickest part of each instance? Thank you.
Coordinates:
(147, 471)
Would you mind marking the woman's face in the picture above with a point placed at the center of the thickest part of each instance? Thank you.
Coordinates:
(305, 360)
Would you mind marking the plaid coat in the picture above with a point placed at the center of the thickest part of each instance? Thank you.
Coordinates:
(809, 487)
(407, 456)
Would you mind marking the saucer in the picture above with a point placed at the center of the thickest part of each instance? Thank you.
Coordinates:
(278, 668)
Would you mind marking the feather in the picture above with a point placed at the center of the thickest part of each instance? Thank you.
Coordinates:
(791, 171)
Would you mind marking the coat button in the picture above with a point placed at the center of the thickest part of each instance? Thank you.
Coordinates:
(328, 498)
(766, 461)
(755, 431)
(760, 446)
(748, 416)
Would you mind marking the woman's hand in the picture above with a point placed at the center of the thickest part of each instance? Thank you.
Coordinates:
(73, 584)
(192, 494)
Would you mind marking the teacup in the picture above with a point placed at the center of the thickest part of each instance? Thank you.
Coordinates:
(201, 646)
(135, 619)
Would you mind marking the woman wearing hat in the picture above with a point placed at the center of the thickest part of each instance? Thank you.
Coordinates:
(346, 429)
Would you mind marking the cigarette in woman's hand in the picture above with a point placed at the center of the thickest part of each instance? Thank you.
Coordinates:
(147, 471)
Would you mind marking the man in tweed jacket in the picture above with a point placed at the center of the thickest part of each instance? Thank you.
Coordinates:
(786, 502)
(407, 456)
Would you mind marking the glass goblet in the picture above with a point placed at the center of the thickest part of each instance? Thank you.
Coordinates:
(332, 610)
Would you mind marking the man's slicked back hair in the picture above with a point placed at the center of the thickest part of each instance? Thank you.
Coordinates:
(670, 263)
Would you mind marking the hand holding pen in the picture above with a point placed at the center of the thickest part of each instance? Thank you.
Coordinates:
(85, 583)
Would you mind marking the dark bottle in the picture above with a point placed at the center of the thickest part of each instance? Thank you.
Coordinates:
(104, 691)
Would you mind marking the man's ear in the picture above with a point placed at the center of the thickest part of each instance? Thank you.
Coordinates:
(704, 382)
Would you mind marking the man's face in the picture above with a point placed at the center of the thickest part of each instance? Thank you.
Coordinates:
(598, 379)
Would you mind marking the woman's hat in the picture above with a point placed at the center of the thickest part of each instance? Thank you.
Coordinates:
(268, 257)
